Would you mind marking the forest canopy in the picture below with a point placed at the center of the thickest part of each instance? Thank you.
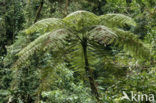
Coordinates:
(77, 51)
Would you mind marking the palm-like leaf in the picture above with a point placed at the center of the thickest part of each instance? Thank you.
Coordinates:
(102, 35)
(125, 39)
(132, 44)
(116, 20)
(45, 25)
(80, 20)
(54, 40)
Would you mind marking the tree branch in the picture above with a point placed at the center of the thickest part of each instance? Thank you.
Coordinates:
(39, 11)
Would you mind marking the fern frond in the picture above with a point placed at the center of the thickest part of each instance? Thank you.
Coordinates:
(132, 44)
(45, 25)
(36, 44)
(80, 20)
(100, 51)
(125, 39)
(102, 35)
(54, 40)
(76, 59)
(116, 20)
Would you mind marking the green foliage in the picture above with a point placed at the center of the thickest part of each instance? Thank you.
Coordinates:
(60, 42)
(46, 62)
(117, 20)
(65, 90)
(132, 45)
(45, 25)
(80, 20)
(100, 34)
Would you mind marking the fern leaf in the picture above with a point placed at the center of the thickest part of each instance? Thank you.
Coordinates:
(54, 40)
(132, 44)
(81, 19)
(102, 35)
(76, 59)
(116, 20)
(45, 25)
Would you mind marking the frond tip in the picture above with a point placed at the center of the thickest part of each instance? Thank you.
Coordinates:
(45, 25)
(132, 44)
(117, 20)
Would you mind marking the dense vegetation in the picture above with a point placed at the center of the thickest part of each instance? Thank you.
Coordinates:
(77, 51)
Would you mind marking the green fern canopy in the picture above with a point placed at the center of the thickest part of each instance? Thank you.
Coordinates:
(45, 25)
(80, 20)
(82, 25)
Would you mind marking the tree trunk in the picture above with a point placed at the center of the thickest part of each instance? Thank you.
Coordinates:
(88, 70)
(39, 11)
(3, 42)
(66, 7)
(128, 2)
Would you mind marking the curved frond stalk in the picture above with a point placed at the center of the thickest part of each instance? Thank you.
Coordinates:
(55, 40)
(45, 25)
(132, 44)
(80, 20)
(102, 34)
(116, 20)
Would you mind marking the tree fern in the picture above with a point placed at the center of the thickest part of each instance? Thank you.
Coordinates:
(75, 35)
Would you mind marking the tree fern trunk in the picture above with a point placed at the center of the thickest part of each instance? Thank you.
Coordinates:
(39, 11)
(88, 70)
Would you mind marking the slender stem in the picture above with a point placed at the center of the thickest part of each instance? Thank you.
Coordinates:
(88, 70)
(39, 11)
(66, 7)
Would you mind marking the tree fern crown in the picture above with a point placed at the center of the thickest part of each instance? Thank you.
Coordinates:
(82, 24)
(80, 20)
